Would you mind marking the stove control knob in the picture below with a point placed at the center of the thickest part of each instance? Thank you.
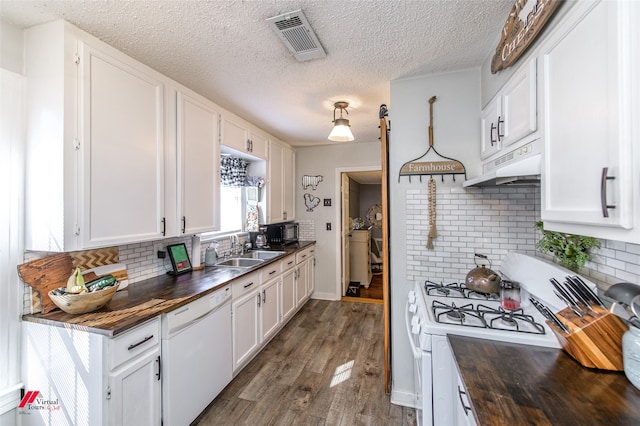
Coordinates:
(415, 320)
(412, 296)
(413, 308)
(415, 329)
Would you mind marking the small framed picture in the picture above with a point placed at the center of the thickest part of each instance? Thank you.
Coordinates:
(179, 259)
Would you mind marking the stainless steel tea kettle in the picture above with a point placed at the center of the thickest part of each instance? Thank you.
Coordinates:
(481, 278)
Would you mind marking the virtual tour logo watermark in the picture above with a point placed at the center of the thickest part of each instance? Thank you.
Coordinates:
(31, 402)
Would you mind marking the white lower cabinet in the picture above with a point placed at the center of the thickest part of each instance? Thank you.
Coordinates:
(305, 274)
(246, 319)
(288, 283)
(134, 392)
(269, 309)
(463, 413)
(94, 379)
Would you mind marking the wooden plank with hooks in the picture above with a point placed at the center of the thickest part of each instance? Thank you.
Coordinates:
(441, 165)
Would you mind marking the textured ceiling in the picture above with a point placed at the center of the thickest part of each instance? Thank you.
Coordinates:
(225, 50)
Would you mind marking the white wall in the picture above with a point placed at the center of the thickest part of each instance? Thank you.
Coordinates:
(325, 160)
(11, 48)
(457, 135)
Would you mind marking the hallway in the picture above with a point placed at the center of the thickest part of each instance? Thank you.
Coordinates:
(324, 368)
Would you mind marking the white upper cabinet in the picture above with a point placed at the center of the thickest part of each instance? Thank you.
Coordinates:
(288, 182)
(280, 183)
(590, 93)
(491, 124)
(121, 147)
(198, 164)
(258, 144)
(519, 106)
(238, 135)
(95, 143)
(512, 114)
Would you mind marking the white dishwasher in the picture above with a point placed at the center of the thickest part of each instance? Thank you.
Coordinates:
(196, 356)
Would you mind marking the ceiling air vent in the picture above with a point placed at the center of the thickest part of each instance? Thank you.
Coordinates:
(296, 33)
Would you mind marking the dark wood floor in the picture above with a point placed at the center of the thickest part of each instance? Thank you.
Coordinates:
(324, 368)
(375, 288)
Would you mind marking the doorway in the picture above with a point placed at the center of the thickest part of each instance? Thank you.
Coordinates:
(361, 234)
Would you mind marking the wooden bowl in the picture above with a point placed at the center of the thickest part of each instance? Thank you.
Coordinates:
(85, 302)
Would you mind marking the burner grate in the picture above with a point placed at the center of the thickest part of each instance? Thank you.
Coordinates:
(482, 316)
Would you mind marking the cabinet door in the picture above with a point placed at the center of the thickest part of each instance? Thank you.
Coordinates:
(491, 124)
(234, 134)
(311, 274)
(198, 165)
(122, 150)
(288, 183)
(288, 293)
(269, 309)
(301, 283)
(275, 197)
(258, 145)
(519, 106)
(587, 87)
(135, 397)
(246, 327)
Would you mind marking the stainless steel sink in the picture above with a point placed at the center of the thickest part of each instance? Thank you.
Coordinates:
(263, 254)
(240, 262)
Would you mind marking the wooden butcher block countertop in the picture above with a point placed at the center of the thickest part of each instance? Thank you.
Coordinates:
(512, 384)
(144, 300)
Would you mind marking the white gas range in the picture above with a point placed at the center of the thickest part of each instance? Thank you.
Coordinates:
(435, 309)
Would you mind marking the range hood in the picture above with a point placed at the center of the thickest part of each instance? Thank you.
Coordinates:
(520, 166)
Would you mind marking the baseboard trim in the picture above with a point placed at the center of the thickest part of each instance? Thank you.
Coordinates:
(10, 398)
(403, 398)
(324, 296)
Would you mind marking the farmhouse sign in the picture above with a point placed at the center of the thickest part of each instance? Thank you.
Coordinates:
(432, 168)
(443, 166)
(526, 20)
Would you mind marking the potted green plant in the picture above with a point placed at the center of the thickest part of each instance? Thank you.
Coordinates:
(569, 250)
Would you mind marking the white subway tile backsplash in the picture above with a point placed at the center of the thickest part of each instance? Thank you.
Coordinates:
(490, 221)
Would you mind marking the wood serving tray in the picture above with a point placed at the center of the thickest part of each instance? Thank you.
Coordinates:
(594, 340)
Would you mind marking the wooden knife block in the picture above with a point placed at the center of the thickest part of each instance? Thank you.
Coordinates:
(594, 340)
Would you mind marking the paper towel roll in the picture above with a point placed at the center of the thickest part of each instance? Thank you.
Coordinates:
(195, 251)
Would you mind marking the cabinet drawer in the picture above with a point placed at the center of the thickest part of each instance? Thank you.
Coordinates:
(245, 284)
(303, 255)
(288, 262)
(133, 343)
(270, 272)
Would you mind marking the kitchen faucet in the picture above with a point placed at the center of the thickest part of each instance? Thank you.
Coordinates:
(234, 243)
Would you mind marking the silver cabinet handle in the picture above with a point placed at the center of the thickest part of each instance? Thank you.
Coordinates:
(603, 192)
(248, 285)
(464, 406)
(500, 121)
(264, 296)
(259, 300)
(159, 373)
(135, 345)
(491, 138)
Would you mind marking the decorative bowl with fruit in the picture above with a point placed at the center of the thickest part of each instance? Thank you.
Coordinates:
(79, 297)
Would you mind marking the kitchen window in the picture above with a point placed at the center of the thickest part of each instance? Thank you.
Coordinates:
(231, 209)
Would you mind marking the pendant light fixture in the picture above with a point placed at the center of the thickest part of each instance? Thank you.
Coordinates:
(341, 131)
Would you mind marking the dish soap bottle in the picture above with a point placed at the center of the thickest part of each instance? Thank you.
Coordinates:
(210, 255)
